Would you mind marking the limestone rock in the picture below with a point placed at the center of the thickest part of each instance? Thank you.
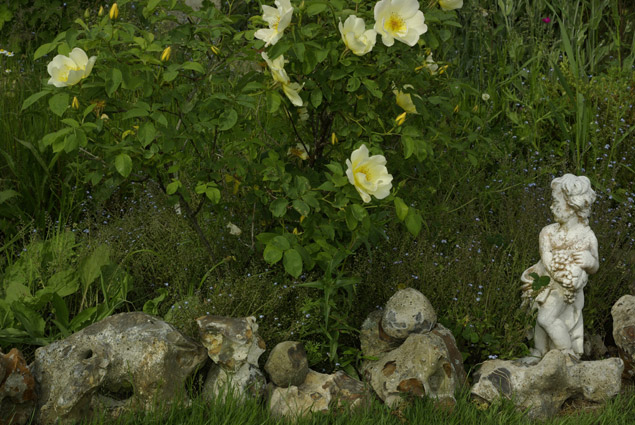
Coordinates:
(287, 364)
(17, 389)
(231, 342)
(623, 313)
(541, 389)
(247, 380)
(374, 341)
(421, 366)
(408, 311)
(318, 393)
(126, 361)
(235, 346)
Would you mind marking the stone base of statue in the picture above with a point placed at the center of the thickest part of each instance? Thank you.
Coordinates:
(543, 388)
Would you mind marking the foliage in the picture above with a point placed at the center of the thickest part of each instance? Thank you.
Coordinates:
(50, 292)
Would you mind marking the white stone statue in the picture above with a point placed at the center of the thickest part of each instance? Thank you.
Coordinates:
(568, 254)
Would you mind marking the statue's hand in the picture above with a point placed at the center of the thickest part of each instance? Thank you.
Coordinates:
(584, 259)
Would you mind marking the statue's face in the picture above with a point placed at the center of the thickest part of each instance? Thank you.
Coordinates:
(562, 212)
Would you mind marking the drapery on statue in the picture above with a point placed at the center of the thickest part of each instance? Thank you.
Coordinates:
(568, 254)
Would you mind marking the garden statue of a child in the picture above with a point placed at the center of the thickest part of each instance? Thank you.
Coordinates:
(568, 254)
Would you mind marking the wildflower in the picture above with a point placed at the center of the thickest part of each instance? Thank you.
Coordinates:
(546, 20)
(450, 4)
(356, 37)
(233, 229)
(167, 52)
(300, 151)
(431, 64)
(101, 11)
(485, 97)
(114, 11)
(399, 19)
(404, 100)
(456, 109)
(69, 70)
(75, 103)
(369, 175)
(333, 138)
(215, 50)
(401, 118)
(279, 75)
(278, 19)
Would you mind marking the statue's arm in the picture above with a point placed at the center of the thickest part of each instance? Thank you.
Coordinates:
(589, 259)
(546, 251)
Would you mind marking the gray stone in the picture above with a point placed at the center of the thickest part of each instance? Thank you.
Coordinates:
(623, 313)
(234, 346)
(17, 389)
(126, 361)
(374, 341)
(421, 366)
(541, 389)
(287, 364)
(318, 393)
(231, 342)
(594, 347)
(248, 380)
(408, 311)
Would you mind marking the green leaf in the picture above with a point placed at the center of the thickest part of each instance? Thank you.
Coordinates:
(173, 187)
(316, 98)
(301, 207)
(316, 8)
(152, 306)
(63, 283)
(30, 319)
(90, 267)
(43, 50)
(147, 133)
(61, 311)
(193, 66)
(273, 101)
(359, 212)
(135, 113)
(279, 207)
(401, 209)
(413, 221)
(123, 164)
(33, 98)
(292, 262)
(373, 88)
(227, 119)
(280, 242)
(353, 84)
(59, 103)
(5, 195)
(113, 82)
(272, 254)
(170, 75)
(84, 316)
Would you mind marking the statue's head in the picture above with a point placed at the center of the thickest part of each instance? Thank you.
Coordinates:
(576, 193)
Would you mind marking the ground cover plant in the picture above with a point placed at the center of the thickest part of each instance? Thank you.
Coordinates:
(213, 155)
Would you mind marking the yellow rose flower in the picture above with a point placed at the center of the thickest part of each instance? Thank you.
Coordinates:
(404, 100)
(450, 4)
(356, 37)
(69, 70)
(369, 175)
(278, 19)
(399, 19)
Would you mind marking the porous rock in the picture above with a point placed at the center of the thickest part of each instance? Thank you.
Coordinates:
(373, 339)
(623, 313)
(126, 361)
(234, 346)
(318, 393)
(541, 389)
(17, 389)
(421, 366)
(287, 364)
(248, 380)
(408, 311)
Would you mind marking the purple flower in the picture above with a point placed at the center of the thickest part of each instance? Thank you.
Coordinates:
(546, 20)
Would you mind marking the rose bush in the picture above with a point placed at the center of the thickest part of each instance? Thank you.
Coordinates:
(189, 103)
